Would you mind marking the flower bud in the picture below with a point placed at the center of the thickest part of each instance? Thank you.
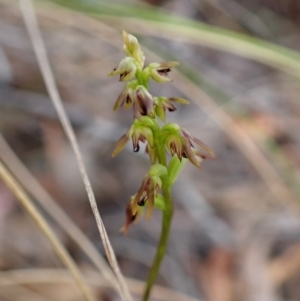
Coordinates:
(132, 48)
(130, 42)
(170, 128)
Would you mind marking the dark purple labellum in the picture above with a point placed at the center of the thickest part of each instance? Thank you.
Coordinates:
(143, 108)
(164, 71)
(136, 149)
(142, 201)
(133, 217)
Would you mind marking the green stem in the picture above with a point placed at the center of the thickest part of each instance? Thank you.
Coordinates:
(166, 222)
(142, 79)
(139, 77)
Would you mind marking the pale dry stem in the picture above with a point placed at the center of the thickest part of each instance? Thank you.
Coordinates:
(60, 276)
(27, 203)
(41, 54)
(28, 181)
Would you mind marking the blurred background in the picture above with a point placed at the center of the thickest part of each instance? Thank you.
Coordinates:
(236, 229)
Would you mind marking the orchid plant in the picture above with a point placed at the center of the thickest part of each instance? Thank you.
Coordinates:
(169, 146)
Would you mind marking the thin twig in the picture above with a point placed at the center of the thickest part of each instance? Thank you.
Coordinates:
(40, 51)
(26, 202)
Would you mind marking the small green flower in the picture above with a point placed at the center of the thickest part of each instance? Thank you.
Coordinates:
(138, 96)
(162, 104)
(126, 98)
(143, 103)
(132, 215)
(159, 71)
(159, 140)
(147, 193)
(126, 69)
(138, 132)
(178, 141)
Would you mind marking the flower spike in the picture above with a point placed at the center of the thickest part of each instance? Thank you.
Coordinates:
(155, 190)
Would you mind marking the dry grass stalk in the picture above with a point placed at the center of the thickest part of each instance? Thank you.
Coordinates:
(27, 180)
(27, 203)
(60, 276)
(40, 51)
(19, 293)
